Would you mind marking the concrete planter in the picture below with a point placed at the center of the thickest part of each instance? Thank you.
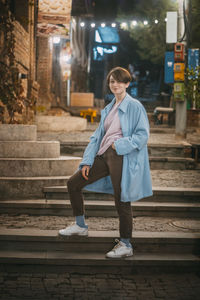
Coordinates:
(18, 132)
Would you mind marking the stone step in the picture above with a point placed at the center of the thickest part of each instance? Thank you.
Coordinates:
(143, 242)
(95, 208)
(18, 132)
(170, 150)
(95, 262)
(160, 194)
(60, 123)
(33, 167)
(161, 150)
(29, 149)
(28, 187)
(171, 163)
(177, 157)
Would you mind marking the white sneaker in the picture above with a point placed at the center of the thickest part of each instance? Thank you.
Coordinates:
(73, 229)
(120, 250)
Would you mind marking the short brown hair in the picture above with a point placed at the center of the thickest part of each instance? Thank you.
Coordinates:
(120, 75)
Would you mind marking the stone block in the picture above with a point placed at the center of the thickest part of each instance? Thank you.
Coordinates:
(28, 149)
(27, 187)
(13, 132)
(62, 166)
(60, 123)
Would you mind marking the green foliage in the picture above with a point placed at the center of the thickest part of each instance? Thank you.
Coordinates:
(192, 87)
(194, 24)
(11, 90)
(150, 39)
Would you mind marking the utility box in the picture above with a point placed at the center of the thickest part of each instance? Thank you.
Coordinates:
(171, 27)
(179, 69)
(169, 67)
(179, 91)
(179, 52)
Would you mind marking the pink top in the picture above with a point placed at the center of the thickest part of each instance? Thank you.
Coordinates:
(112, 128)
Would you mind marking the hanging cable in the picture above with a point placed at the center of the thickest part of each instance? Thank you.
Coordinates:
(185, 23)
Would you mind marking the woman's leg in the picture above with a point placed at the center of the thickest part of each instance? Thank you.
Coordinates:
(77, 182)
(115, 163)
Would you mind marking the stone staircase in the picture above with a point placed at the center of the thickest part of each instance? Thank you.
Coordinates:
(165, 202)
(45, 249)
(166, 156)
(154, 250)
(37, 186)
(27, 165)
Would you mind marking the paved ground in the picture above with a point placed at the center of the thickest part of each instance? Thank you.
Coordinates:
(25, 286)
(139, 223)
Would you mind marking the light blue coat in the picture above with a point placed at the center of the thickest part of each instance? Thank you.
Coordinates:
(136, 178)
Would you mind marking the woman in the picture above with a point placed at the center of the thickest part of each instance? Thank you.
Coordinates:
(115, 161)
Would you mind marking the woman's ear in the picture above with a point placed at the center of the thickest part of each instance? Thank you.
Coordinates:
(127, 84)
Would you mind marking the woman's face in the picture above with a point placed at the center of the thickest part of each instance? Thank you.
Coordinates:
(116, 87)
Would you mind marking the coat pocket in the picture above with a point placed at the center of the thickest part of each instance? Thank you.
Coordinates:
(133, 160)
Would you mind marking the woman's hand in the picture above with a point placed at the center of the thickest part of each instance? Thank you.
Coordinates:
(113, 146)
(85, 171)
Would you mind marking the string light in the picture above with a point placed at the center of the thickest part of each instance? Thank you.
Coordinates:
(123, 25)
(134, 23)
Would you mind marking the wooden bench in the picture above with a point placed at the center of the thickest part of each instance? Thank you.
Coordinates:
(161, 112)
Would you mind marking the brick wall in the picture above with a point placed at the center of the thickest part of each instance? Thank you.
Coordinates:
(44, 67)
(22, 42)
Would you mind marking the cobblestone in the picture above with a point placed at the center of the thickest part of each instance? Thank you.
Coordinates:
(139, 223)
(178, 287)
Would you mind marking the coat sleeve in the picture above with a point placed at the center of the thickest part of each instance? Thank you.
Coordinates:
(140, 134)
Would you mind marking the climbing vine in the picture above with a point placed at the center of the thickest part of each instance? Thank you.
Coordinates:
(192, 87)
(11, 90)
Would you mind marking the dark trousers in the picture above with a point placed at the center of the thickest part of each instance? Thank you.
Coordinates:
(107, 164)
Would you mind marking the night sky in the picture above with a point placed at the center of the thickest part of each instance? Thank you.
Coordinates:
(102, 9)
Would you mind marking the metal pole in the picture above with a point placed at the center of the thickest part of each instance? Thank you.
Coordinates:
(181, 107)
